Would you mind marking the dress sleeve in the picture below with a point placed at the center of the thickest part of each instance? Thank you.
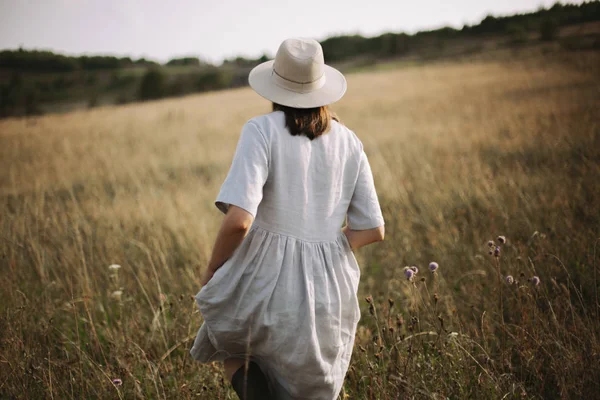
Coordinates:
(243, 186)
(364, 211)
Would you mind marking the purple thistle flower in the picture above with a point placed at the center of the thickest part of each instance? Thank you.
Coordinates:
(117, 382)
(415, 269)
(510, 280)
(497, 251)
(491, 243)
(535, 281)
(502, 239)
(409, 274)
(433, 266)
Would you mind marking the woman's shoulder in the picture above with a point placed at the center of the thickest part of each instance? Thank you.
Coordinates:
(266, 124)
(270, 120)
(271, 125)
(338, 128)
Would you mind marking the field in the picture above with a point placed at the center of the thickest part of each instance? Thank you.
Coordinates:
(462, 152)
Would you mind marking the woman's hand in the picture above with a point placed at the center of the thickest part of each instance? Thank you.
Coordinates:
(362, 238)
(235, 226)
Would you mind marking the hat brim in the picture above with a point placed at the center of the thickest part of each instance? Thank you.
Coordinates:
(333, 89)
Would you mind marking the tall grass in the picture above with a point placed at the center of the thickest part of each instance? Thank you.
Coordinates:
(461, 152)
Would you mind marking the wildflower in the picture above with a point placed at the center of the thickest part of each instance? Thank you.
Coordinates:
(433, 266)
(415, 269)
(535, 281)
(510, 280)
(114, 267)
(409, 274)
(502, 239)
(491, 252)
(117, 382)
(369, 299)
(491, 243)
(497, 251)
(117, 295)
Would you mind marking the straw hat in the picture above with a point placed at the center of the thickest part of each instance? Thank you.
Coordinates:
(298, 77)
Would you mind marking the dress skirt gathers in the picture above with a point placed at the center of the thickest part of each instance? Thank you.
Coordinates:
(287, 297)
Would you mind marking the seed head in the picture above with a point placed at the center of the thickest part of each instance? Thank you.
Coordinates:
(491, 243)
(409, 274)
(535, 281)
(433, 266)
(369, 299)
(391, 302)
(415, 269)
(502, 239)
(510, 280)
(117, 294)
(114, 267)
(497, 251)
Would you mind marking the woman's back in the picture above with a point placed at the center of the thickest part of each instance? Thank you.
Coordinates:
(308, 184)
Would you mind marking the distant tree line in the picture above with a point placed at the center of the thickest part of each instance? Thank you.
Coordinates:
(545, 21)
(47, 61)
(157, 82)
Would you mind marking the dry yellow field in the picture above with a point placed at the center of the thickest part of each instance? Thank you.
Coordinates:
(461, 153)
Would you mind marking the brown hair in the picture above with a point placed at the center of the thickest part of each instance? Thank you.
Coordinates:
(310, 122)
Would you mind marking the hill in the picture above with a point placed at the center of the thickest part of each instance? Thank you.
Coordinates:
(34, 82)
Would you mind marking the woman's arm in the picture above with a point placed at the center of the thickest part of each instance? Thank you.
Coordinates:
(358, 239)
(234, 228)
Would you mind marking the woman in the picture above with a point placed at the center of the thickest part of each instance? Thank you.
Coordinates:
(279, 299)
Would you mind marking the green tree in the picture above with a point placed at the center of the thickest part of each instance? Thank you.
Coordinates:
(153, 85)
(184, 61)
(517, 33)
(548, 29)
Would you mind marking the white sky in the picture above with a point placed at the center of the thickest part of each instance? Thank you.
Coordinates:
(217, 29)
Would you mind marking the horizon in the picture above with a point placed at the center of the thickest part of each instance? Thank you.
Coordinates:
(124, 16)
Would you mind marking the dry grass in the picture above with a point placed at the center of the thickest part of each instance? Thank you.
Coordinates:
(461, 152)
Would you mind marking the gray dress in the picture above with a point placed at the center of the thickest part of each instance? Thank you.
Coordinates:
(288, 294)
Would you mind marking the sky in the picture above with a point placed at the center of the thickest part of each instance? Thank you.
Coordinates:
(217, 29)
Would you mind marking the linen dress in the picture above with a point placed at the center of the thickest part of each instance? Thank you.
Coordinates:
(288, 295)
